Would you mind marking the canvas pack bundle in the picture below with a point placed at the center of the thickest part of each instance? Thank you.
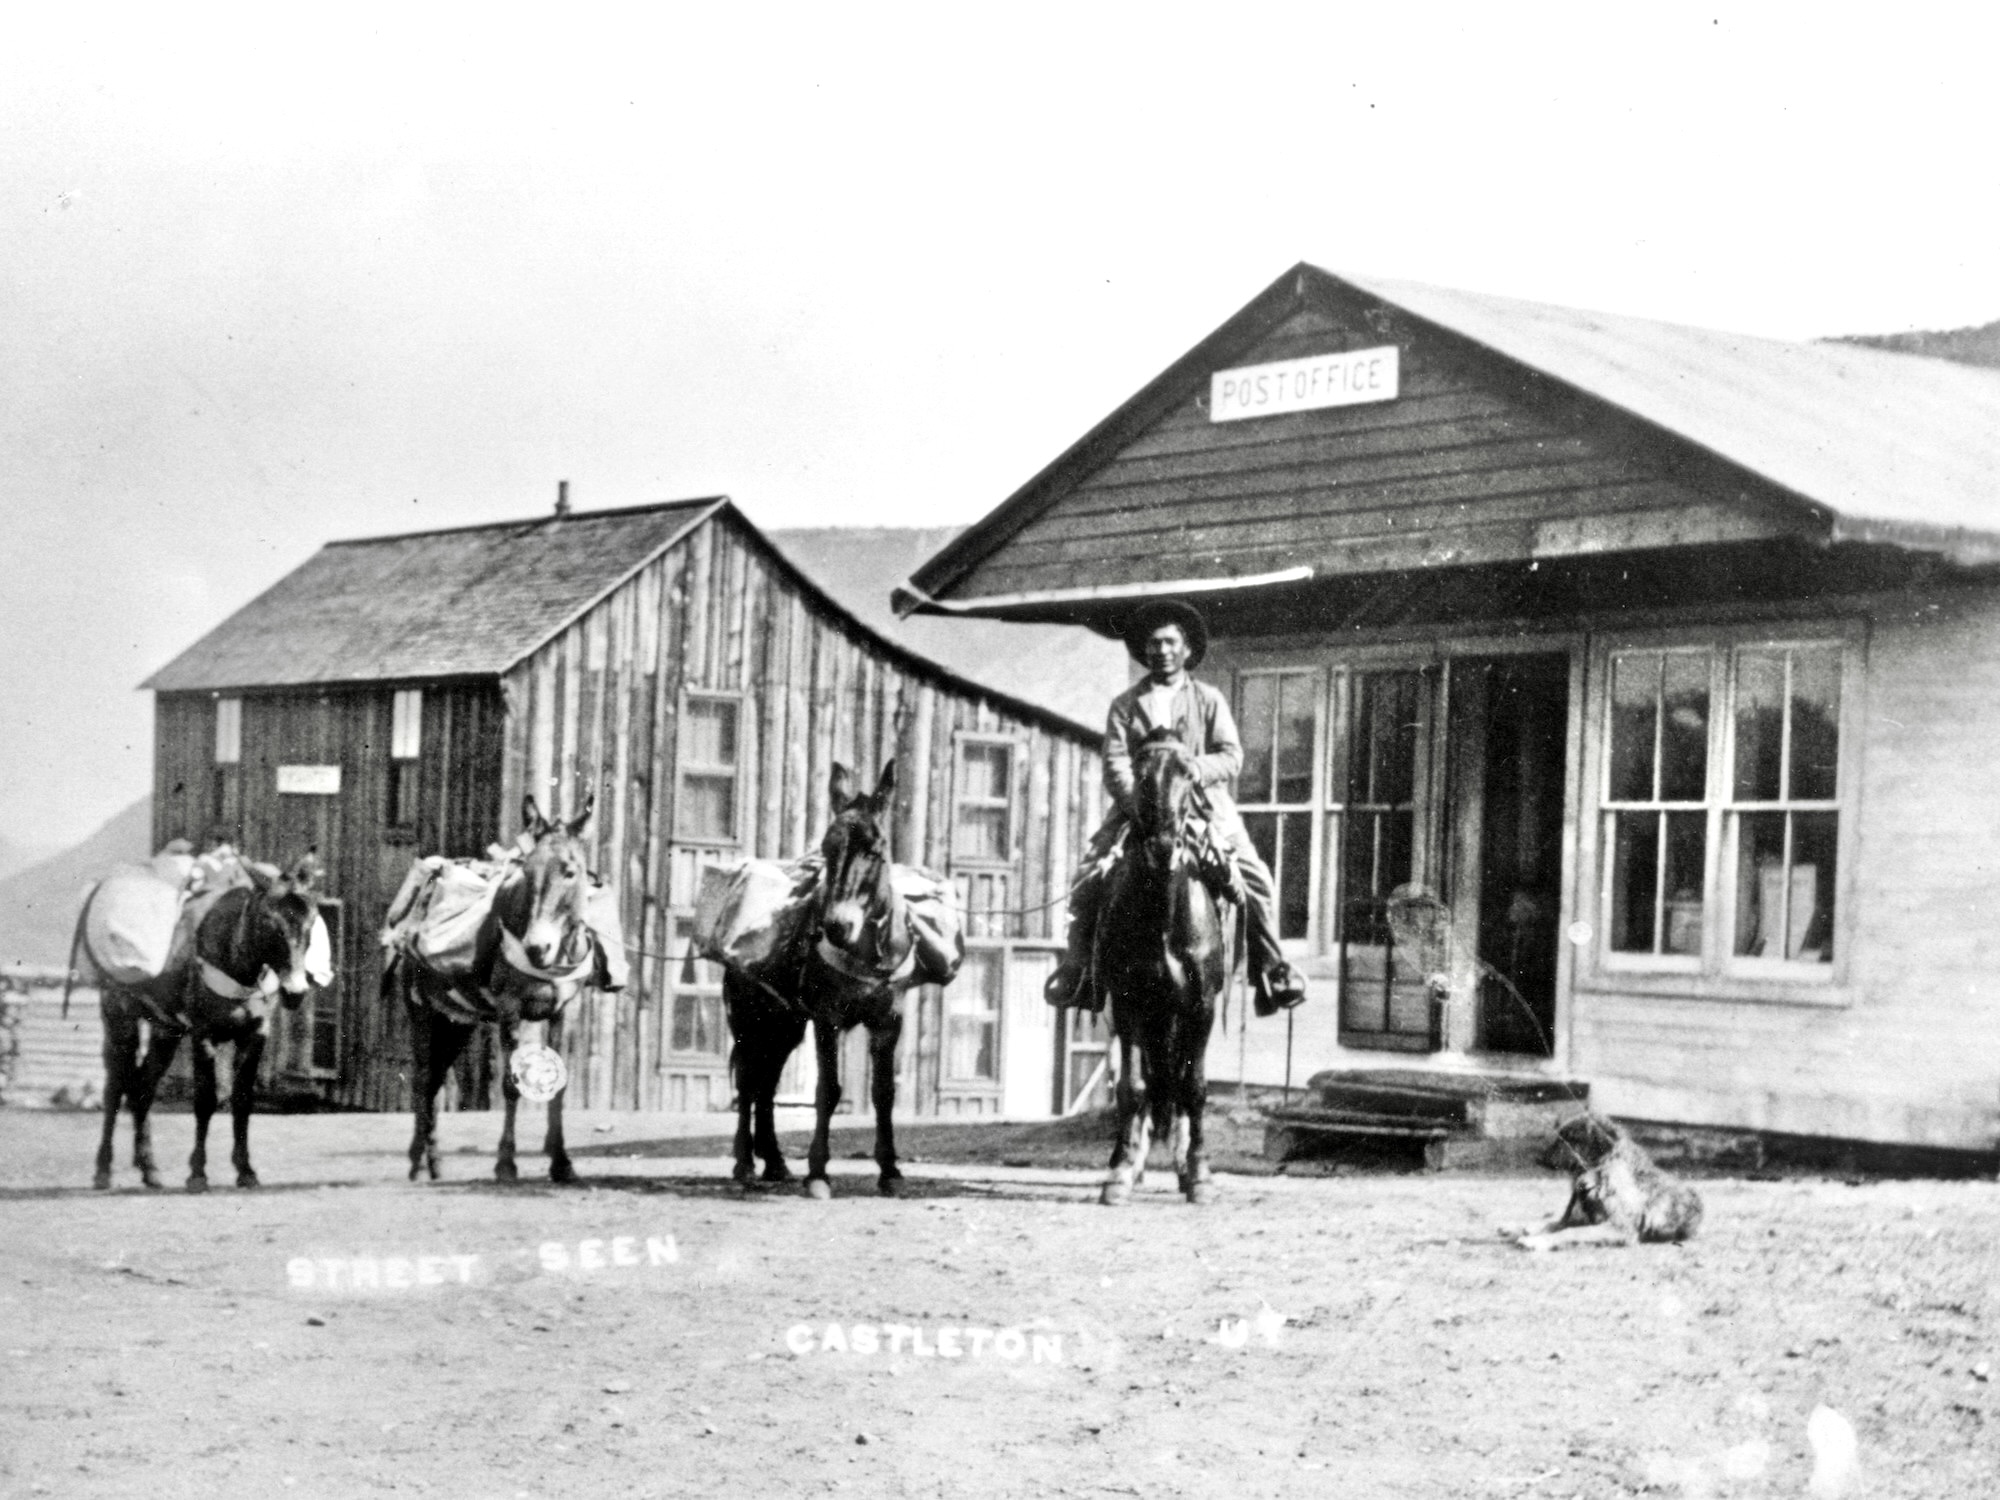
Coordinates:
(607, 929)
(142, 917)
(749, 917)
(932, 902)
(129, 932)
(443, 912)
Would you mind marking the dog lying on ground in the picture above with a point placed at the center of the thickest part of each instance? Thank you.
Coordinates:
(1617, 1195)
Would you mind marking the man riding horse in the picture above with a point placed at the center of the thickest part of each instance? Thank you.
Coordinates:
(1169, 639)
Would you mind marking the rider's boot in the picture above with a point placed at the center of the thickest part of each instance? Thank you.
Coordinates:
(1280, 988)
(1070, 985)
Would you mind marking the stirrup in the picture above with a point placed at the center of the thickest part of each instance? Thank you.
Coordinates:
(1061, 983)
(1281, 989)
(1069, 986)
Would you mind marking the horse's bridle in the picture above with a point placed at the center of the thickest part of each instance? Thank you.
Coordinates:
(514, 953)
(1196, 805)
(225, 986)
(841, 961)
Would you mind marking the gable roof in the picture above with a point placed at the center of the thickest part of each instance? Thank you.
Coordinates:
(474, 601)
(1873, 435)
(1870, 445)
(1067, 670)
(466, 602)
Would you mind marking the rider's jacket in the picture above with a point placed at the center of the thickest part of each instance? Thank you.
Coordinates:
(1197, 713)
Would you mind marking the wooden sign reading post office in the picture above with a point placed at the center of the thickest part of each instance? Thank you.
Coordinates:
(1349, 379)
(309, 781)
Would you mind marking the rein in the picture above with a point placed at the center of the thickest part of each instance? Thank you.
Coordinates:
(225, 986)
(516, 956)
(840, 963)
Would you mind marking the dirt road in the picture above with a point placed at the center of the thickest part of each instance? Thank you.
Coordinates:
(657, 1333)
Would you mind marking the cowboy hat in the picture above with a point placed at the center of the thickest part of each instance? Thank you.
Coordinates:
(1149, 617)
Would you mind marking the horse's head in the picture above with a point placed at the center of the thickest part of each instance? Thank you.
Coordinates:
(858, 905)
(275, 929)
(1165, 785)
(541, 903)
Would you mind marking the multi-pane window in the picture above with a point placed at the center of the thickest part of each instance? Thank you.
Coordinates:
(1274, 791)
(1784, 809)
(709, 769)
(1720, 804)
(972, 1019)
(1334, 782)
(406, 743)
(1380, 767)
(697, 1024)
(1378, 834)
(1656, 820)
(983, 825)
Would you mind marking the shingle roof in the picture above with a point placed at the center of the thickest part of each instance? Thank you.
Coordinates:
(1881, 446)
(1875, 436)
(466, 602)
(1062, 668)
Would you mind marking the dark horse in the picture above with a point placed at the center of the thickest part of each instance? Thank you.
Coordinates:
(533, 956)
(1162, 958)
(840, 975)
(249, 946)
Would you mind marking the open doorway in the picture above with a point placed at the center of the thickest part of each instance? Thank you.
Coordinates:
(1511, 718)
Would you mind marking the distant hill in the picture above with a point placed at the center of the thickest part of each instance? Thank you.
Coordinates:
(1968, 346)
(15, 856)
(38, 905)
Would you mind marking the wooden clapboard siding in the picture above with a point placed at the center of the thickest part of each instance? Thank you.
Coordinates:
(599, 706)
(459, 778)
(1908, 1050)
(596, 709)
(1471, 463)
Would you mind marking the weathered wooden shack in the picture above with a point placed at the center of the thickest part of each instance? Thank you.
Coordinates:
(1618, 697)
(397, 696)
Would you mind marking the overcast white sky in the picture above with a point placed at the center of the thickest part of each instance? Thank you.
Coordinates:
(269, 279)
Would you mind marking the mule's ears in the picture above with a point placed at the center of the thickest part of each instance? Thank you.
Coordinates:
(537, 825)
(841, 789)
(307, 872)
(885, 787)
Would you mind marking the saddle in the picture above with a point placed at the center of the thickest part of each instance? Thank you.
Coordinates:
(1214, 864)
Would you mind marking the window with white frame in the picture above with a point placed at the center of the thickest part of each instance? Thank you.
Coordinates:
(696, 1023)
(1655, 801)
(228, 757)
(709, 769)
(406, 743)
(972, 1018)
(1277, 718)
(1720, 805)
(1783, 830)
(983, 801)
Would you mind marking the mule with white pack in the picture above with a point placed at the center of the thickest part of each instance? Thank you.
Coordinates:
(508, 942)
(201, 949)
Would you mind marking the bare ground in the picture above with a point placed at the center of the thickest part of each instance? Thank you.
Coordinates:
(154, 1344)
